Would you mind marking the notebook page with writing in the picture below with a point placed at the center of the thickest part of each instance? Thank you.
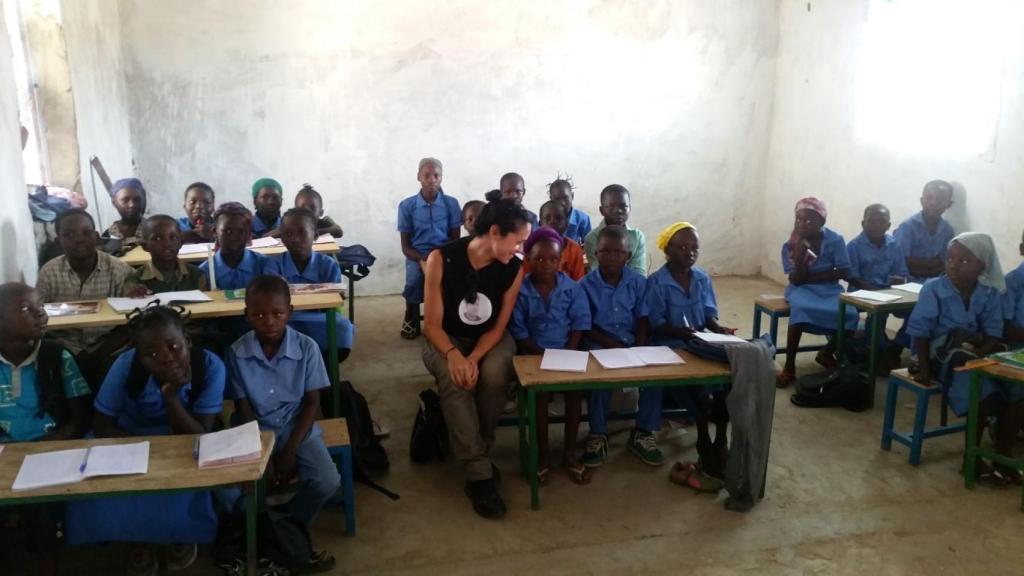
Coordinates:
(50, 469)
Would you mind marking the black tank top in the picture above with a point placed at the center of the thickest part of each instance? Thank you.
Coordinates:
(465, 316)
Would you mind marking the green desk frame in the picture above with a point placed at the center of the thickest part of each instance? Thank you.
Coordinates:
(973, 451)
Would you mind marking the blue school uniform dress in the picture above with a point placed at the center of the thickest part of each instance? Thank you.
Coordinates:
(916, 242)
(579, 226)
(548, 322)
(260, 228)
(615, 311)
(275, 388)
(874, 264)
(1013, 300)
(20, 420)
(428, 225)
(313, 323)
(160, 518)
(940, 310)
(252, 265)
(817, 304)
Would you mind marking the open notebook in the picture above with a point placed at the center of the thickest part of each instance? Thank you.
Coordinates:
(184, 296)
(70, 466)
(239, 445)
(636, 357)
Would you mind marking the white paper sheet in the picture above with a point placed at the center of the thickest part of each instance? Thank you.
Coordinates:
(657, 355)
(718, 338)
(912, 287)
(874, 296)
(325, 239)
(564, 360)
(772, 296)
(614, 358)
(232, 446)
(70, 466)
(264, 243)
(129, 304)
(200, 248)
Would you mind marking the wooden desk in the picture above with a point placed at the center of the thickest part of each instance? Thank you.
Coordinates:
(533, 380)
(221, 307)
(877, 313)
(973, 451)
(139, 257)
(171, 469)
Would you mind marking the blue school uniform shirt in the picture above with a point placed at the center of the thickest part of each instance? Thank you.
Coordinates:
(275, 386)
(428, 223)
(19, 398)
(260, 228)
(1013, 298)
(252, 265)
(615, 309)
(146, 415)
(320, 268)
(184, 224)
(916, 242)
(579, 226)
(548, 322)
(670, 305)
(533, 219)
(940, 309)
(872, 264)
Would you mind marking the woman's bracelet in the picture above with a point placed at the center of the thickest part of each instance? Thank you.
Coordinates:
(445, 353)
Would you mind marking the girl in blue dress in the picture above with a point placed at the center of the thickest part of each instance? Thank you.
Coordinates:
(963, 310)
(815, 258)
(160, 386)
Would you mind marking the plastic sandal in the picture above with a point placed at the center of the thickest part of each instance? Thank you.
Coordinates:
(680, 473)
(784, 379)
(579, 473)
(702, 483)
(542, 475)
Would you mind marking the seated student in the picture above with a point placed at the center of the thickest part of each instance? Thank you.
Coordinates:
(1013, 306)
(552, 215)
(923, 237)
(276, 375)
(470, 210)
(551, 312)
(266, 197)
(235, 266)
(618, 309)
(815, 258)
(162, 385)
(311, 200)
(681, 301)
(561, 191)
(42, 397)
(302, 265)
(81, 273)
(615, 210)
(161, 238)
(426, 221)
(513, 187)
(197, 223)
(129, 199)
(876, 260)
(964, 307)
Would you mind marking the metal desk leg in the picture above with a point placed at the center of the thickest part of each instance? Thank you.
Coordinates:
(875, 325)
(251, 503)
(841, 332)
(521, 413)
(332, 356)
(757, 322)
(351, 300)
(531, 465)
(971, 443)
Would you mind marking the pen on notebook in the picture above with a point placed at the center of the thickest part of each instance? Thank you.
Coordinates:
(85, 460)
(195, 448)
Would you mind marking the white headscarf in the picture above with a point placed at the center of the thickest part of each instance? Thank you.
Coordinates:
(984, 249)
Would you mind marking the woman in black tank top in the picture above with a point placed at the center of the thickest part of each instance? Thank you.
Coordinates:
(470, 290)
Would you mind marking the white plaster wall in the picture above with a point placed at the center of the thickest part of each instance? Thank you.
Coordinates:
(815, 148)
(17, 244)
(92, 33)
(670, 98)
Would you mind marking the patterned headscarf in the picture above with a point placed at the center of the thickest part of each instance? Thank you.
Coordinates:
(813, 204)
(127, 183)
(266, 183)
(544, 233)
(666, 235)
(984, 249)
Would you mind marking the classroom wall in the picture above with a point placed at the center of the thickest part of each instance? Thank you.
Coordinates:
(670, 98)
(819, 145)
(18, 253)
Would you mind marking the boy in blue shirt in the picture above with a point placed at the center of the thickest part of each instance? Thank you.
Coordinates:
(235, 266)
(615, 208)
(924, 236)
(275, 375)
(1013, 305)
(562, 191)
(618, 310)
(197, 223)
(267, 198)
(425, 221)
(513, 187)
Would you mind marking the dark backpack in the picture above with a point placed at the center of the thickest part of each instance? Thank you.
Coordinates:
(356, 261)
(50, 382)
(429, 431)
(844, 387)
(368, 455)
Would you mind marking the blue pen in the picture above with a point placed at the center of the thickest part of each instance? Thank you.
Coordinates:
(85, 460)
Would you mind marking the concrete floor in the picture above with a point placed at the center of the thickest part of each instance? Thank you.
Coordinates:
(835, 504)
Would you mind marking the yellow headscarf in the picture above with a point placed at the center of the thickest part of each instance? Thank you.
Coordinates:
(668, 233)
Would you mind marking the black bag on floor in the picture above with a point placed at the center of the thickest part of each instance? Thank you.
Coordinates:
(842, 388)
(368, 455)
(429, 431)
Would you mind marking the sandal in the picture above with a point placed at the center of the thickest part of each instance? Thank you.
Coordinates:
(785, 378)
(702, 483)
(579, 473)
(410, 330)
(827, 361)
(680, 473)
(542, 476)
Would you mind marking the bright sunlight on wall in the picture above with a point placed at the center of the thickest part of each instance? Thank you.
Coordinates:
(930, 75)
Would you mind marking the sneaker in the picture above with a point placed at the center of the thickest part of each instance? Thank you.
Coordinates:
(596, 452)
(485, 498)
(142, 561)
(180, 556)
(645, 446)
